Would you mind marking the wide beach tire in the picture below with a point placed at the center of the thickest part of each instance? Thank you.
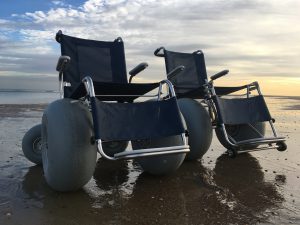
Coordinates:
(32, 144)
(112, 147)
(241, 132)
(69, 157)
(198, 125)
(160, 165)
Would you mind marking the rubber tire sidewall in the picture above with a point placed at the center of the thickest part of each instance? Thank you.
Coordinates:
(198, 124)
(160, 165)
(112, 147)
(32, 135)
(69, 157)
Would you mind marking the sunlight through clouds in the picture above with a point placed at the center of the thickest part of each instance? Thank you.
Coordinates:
(254, 39)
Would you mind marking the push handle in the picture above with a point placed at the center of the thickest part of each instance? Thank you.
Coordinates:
(158, 53)
(220, 74)
(62, 63)
(58, 36)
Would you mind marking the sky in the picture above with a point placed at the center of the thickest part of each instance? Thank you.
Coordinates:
(257, 40)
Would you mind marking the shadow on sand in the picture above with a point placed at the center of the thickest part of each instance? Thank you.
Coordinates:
(235, 192)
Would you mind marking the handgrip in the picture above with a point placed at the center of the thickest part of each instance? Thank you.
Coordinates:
(62, 63)
(220, 74)
(157, 52)
(58, 36)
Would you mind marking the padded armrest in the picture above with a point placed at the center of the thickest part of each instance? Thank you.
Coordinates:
(62, 63)
(175, 71)
(139, 68)
(231, 89)
(220, 74)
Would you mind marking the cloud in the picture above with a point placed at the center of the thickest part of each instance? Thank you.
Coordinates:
(249, 37)
(59, 3)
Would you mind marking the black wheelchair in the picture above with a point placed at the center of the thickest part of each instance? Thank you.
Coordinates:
(100, 110)
(239, 120)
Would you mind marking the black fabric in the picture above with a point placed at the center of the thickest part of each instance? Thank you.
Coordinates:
(192, 77)
(115, 89)
(189, 83)
(228, 90)
(242, 110)
(102, 61)
(132, 121)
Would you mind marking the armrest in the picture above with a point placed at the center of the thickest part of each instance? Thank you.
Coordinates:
(220, 74)
(139, 68)
(62, 63)
(220, 90)
(175, 71)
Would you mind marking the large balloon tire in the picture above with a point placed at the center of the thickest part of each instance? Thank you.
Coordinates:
(112, 147)
(32, 144)
(240, 133)
(160, 165)
(69, 155)
(198, 124)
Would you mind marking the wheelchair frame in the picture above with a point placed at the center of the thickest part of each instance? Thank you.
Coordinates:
(210, 101)
(90, 98)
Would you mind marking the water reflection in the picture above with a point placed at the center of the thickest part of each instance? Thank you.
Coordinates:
(233, 192)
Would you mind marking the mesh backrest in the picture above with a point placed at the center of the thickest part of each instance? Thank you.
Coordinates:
(102, 61)
(242, 110)
(194, 74)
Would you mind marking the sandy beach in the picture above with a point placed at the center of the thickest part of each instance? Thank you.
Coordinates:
(254, 188)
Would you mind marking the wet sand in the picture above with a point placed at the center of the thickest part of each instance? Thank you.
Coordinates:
(257, 188)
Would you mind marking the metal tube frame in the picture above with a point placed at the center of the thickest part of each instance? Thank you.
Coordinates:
(230, 140)
(88, 83)
(60, 84)
(64, 60)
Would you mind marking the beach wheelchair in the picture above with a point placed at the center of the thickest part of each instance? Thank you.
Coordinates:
(239, 120)
(100, 111)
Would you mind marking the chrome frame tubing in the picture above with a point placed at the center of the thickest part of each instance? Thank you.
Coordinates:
(233, 143)
(88, 83)
(60, 84)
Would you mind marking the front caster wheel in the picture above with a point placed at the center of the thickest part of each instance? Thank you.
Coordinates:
(281, 146)
(32, 144)
(232, 153)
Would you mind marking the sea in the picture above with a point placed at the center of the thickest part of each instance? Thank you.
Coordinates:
(12, 96)
(26, 96)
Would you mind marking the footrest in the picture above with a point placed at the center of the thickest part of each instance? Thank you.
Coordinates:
(266, 140)
(152, 152)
